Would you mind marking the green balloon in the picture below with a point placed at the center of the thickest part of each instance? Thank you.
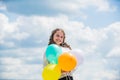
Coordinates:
(53, 51)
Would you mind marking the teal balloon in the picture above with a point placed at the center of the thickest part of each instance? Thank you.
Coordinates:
(53, 51)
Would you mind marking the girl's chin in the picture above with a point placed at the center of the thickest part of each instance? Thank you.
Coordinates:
(58, 43)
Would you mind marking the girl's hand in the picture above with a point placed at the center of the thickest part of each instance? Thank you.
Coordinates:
(65, 71)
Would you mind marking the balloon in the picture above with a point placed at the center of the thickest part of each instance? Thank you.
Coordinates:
(51, 72)
(78, 54)
(53, 51)
(67, 61)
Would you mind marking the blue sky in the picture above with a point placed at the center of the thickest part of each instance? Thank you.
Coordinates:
(91, 26)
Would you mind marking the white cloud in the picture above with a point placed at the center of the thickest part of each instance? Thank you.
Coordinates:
(10, 60)
(115, 52)
(6, 27)
(10, 30)
(19, 64)
(104, 74)
(103, 5)
(3, 19)
(9, 44)
(21, 72)
(24, 52)
(95, 69)
(115, 29)
(113, 33)
(89, 68)
(77, 5)
(2, 6)
(21, 36)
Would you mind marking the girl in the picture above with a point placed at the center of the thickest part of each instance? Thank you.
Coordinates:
(58, 37)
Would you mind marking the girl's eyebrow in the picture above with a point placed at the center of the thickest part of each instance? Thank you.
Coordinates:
(59, 35)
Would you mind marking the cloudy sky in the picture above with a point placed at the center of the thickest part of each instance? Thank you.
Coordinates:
(92, 26)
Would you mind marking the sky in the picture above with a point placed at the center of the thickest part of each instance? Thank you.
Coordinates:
(92, 26)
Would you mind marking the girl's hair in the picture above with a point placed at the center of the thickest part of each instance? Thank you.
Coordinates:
(51, 41)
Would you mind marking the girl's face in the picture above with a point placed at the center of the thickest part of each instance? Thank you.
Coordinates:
(58, 37)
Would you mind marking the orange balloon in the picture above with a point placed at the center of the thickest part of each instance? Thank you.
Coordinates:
(67, 61)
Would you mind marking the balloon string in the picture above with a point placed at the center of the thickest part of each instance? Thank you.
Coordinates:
(67, 77)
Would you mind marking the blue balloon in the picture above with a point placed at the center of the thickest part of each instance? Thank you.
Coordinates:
(53, 51)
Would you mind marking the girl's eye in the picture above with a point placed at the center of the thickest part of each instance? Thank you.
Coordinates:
(61, 36)
(57, 35)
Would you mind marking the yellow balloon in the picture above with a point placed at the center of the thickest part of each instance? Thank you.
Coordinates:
(67, 61)
(51, 72)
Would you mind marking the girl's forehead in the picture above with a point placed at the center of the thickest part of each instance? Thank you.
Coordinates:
(59, 32)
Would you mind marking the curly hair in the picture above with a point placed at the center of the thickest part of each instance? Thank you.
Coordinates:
(51, 41)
